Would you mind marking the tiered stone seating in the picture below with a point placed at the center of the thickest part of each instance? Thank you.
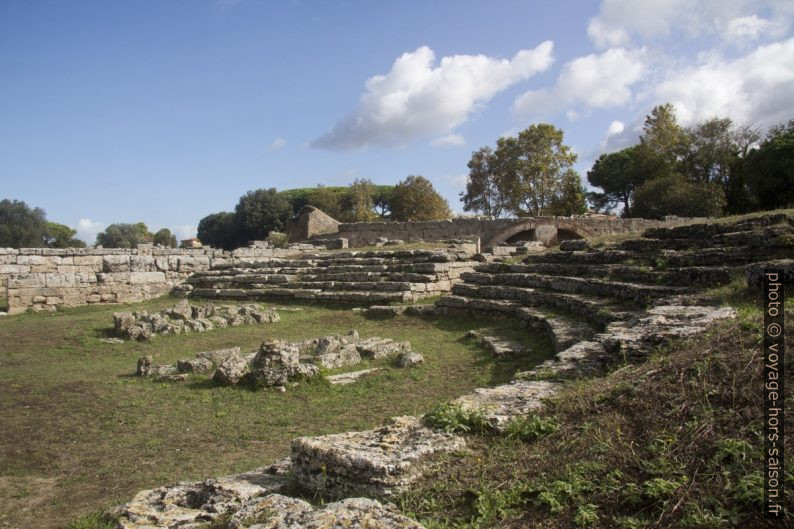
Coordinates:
(365, 278)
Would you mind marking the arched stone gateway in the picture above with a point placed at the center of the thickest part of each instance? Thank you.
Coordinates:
(545, 231)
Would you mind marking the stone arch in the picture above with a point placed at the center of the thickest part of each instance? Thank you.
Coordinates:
(533, 228)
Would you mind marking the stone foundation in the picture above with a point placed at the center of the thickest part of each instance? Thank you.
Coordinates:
(45, 279)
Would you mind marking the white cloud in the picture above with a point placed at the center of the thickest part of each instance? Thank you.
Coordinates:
(450, 140)
(419, 99)
(88, 229)
(592, 81)
(278, 143)
(618, 20)
(747, 27)
(758, 87)
(616, 127)
(186, 231)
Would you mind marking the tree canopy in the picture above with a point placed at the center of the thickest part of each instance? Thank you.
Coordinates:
(164, 237)
(123, 235)
(415, 199)
(21, 226)
(716, 159)
(528, 175)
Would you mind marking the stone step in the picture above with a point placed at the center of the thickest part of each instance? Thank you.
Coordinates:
(339, 296)
(732, 256)
(599, 311)
(703, 230)
(580, 360)
(501, 404)
(462, 303)
(592, 286)
(698, 276)
(376, 463)
(585, 257)
(563, 330)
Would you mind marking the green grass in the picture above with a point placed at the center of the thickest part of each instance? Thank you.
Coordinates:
(3, 303)
(81, 433)
(674, 442)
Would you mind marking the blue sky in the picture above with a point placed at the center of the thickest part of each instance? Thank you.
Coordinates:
(166, 111)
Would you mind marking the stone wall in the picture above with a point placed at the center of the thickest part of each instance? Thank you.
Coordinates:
(492, 232)
(46, 278)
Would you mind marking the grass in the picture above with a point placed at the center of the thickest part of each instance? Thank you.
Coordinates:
(673, 442)
(81, 433)
(3, 303)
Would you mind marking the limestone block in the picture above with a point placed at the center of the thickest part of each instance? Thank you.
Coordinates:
(139, 278)
(116, 263)
(380, 462)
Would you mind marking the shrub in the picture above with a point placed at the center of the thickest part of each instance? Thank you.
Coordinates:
(277, 239)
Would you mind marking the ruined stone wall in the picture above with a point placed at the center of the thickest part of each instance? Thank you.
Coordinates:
(46, 278)
(489, 231)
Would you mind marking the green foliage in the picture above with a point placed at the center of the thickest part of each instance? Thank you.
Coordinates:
(770, 169)
(360, 201)
(62, 236)
(586, 515)
(328, 199)
(218, 230)
(530, 427)
(452, 418)
(415, 199)
(21, 226)
(482, 190)
(259, 212)
(277, 239)
(164, 237)
(124, 235)
(675, 195)
(527, 175)
(619, 174)
(569, 199)
(94, 520)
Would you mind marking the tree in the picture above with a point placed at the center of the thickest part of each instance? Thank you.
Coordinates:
(381, 201)
(218, 230)
(662, 136)
(677, 195)
(770, 168)
(360, 201)
(165, 238)
(529, 168)
(327, 200)
(415, 199)
(21, 226)
(618, 174)
(570, 197)
(124, 235)
(61, 236)
(260, 212)
(482, 190)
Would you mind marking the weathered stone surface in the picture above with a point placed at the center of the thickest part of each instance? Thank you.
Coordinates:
(755, 272)
(574, 245)
(353, 376)
(659, 327)
(409, 359)
(231, 370)
(503, 403)
(281, 512)
(218, 356)
(195, 365)
(496, 345)
(182, 318)
(188, 505)
(377, 348)
(378, 462)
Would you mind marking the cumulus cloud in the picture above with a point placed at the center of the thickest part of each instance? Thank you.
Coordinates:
(418, 98)
(618, 20)
(593, 81)
(757, 87)
(278, 143)
(450, 140)
(88, 229)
